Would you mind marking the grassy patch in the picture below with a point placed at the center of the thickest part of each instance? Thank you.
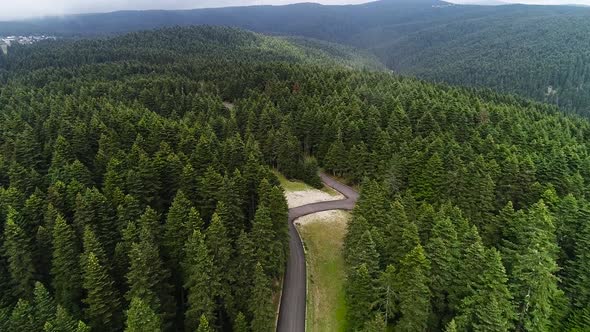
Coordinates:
(323, 238)
(289, 185)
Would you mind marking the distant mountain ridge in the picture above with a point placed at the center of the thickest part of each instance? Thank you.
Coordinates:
(541, 52)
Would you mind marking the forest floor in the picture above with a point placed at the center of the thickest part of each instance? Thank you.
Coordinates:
(323, 236)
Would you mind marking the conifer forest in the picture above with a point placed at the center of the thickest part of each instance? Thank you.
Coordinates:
(139, 188)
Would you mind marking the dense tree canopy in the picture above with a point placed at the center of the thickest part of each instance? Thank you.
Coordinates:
(120, 159)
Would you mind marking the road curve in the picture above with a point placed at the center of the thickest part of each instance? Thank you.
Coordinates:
(293, 299)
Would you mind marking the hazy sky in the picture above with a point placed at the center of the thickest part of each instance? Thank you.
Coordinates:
(13, 9)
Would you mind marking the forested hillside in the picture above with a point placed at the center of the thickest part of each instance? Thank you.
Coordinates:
(132, 199)
(541, 52)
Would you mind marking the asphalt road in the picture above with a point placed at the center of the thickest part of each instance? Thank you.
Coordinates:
(293, 300)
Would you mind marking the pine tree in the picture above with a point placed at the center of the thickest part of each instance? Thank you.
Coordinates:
(102, 299)
(198, 268)
(413, 291)
(141, 318)
(65, 270)
(261, 306)
(20, 257)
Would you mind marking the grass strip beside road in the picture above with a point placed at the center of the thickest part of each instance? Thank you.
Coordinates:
(323, 236)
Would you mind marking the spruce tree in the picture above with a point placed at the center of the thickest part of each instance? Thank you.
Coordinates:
(267, 249)
(22, 317)
(204, 325)
(360, 297)
(102, 299)
(220, 251)
(365, 253)
(533, 280)
(147, 277)
(388, 292)
(43, 306)
(65, 270)
(414, 295)
(376, 324)
(63, 322)
(489, 306)
(142, 318)
(240, 324)
(198, 268)
(261, 306)
(443, 253)
(20, 256)
(451, 327)
(175, 229)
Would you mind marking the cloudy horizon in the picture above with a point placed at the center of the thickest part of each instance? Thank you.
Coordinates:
(24, 9)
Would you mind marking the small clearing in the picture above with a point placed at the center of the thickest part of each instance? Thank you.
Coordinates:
(299, 193)
(299, 198)
(323, 236)
(228, 105)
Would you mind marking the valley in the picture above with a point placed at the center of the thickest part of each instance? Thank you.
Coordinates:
(391, 166)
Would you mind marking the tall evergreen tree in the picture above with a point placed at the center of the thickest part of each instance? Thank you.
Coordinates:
(141, 318)
(361, 297)
(148, 278)
(442, 251)
(102, 299)
(43, 306)
(414, 295)
(65, 270)
(261, 306)
(20, 256)
(198, 268)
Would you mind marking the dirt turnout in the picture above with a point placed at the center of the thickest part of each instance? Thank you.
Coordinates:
(304, 197)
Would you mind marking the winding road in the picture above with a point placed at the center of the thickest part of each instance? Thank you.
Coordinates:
(293, 299)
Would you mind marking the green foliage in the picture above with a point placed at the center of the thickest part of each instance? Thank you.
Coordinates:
(198, 271)
(261, 306)
(102, 299)
(140, 318)
(134, 158)
(20, 256)
(414, 295)
(67, 277)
